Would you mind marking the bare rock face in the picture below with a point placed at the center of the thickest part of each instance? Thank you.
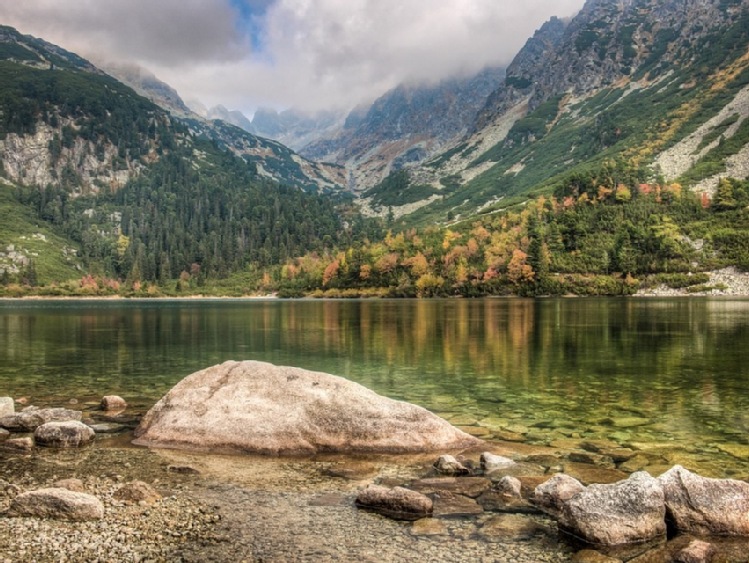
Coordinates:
(625, 512)
(261, 408)
(705, 506)
(55, 503)
(399, 502)
(70, 434)
(30, 418)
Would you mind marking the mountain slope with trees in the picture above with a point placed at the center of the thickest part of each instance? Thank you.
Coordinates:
(133, 196)
(622, 80)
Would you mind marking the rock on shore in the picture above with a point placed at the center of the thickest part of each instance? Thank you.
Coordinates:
(57, 503)
(262, 408)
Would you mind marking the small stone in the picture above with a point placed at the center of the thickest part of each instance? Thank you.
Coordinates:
(448, 465)
(137, 492)
(107, 427)
(57, 504)
(696, 552)
(490, 462)
(23, 445)
(4, 434)
(7, 406)
(509, 486)
(70, 434)
(113, 403)
(398, 503)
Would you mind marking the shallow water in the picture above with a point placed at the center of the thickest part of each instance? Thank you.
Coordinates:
(667, 376)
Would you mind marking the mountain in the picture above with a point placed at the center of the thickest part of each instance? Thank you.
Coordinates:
(404, 126)
(97, 179)
(662, 83)
(236, 118)
(234, 132)
(149, 86)
(295, 128)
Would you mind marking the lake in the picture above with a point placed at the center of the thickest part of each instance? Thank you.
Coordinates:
(668, 376)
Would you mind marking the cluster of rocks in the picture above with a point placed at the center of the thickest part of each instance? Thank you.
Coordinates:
(637, 511)
(54, 427)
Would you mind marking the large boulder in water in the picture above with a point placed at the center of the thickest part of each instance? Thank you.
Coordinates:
(261, 408)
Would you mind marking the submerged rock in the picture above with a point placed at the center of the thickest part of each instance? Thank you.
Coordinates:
(399, 502)
(705, 506)
(71, 434)
(261, 408)
(137, 492)
(451, 505)
(696, 552)
(491, 462)
(625, 512)
(509, 527)
(57, 503)
(471, 487)
(22, 445)
(113, 403)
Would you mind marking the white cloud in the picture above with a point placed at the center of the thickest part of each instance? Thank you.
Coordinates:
(313, 53)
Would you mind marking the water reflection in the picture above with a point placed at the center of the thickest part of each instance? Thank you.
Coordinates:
(575, 366)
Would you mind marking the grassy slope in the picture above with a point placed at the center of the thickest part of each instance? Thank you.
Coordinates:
(22, 229)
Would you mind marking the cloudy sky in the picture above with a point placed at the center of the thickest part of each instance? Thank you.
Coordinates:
(313, 54)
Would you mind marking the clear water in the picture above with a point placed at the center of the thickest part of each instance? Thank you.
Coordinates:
(666, 375)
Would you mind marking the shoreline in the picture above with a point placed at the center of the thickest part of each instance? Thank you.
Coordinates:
(726, 282)
(247, 508)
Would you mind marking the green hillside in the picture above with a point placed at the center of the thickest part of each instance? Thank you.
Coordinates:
(30, 251)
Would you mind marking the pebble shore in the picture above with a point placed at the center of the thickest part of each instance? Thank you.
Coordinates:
(232, 508)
